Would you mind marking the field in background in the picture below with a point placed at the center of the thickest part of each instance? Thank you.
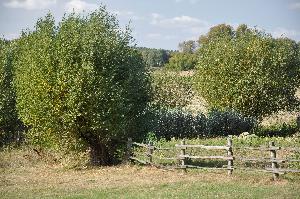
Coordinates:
(198, 104)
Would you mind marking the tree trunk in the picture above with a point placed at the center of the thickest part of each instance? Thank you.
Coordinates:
(99, 151)
(99, 154)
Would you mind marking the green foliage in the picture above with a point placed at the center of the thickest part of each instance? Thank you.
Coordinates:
(182, 61)
(278, 130)
(216, 33)
(171, 90)
(9, 122)
(187, 46)
(241, 30)
(176, 123)
(81, 83)
(229, 122)
(251, 73)
(151, 137)
(154, 57)
(169, 123)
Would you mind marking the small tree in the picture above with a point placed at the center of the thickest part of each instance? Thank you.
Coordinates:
(182, 62)
(154, 57)
(251, 73)
(81, 84)
(215, 33)
(187, 46)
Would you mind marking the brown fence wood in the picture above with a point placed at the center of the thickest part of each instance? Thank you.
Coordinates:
(182, 153)
(183, 146)
(206, 157)
(150, 151)
(139, 144)
(183, 156)
(209, 168)
(261, 160)
(230, 155)
(274, 163)
(262, 148)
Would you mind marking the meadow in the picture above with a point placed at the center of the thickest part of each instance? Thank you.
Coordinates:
(24, 174)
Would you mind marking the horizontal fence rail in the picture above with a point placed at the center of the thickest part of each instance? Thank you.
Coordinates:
(202, 147)
(182, 157)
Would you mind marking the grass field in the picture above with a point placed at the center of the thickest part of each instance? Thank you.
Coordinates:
(47, 180)
(141, 182)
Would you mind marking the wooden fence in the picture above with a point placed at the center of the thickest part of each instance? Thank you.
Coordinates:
(182, 157)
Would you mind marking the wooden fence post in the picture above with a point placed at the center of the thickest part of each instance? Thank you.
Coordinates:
(230, 154)
(150, 151)
(129, 149)
(273, 160)
(182, 153)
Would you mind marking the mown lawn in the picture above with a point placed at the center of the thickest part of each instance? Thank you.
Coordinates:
(53, 181)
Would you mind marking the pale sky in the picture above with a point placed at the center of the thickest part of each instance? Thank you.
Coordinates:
(163, 23)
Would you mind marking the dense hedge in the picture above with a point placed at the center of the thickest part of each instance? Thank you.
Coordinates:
(281, 130)
(228, 122)
(169, 123)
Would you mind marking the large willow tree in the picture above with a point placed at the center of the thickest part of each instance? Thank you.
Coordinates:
(249, 71)
(81, 84)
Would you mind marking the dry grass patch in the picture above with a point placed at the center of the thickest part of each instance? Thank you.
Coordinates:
(36, 178)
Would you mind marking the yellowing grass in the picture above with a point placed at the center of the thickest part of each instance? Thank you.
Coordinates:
(45, 180)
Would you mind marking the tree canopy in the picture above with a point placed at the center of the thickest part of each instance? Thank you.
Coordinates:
(187, 46)
(182, 62)
(8, 114)
(154, 57)
(249, 71)
(215, 33)
(80, 83)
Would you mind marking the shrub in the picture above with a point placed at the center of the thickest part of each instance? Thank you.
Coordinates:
(81, 84)
(252, 73)
(169, 123)
(176, 123)
(228, 122)
(278, 130)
